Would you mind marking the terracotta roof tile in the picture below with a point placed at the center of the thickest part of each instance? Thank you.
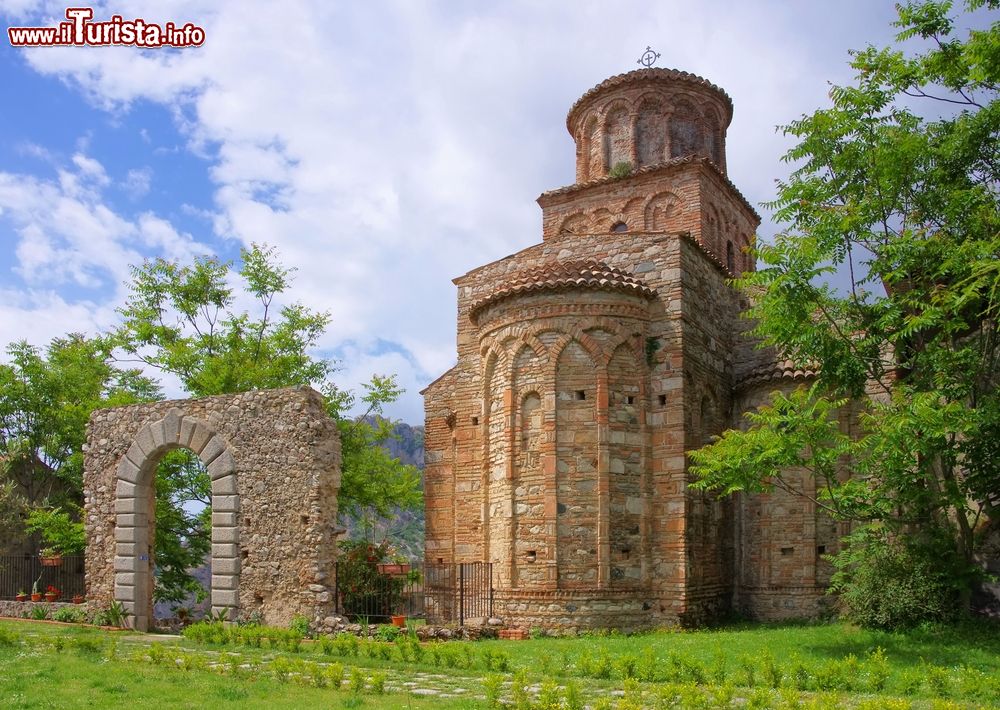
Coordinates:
(651, 74)
(559, 275)
(779, 369)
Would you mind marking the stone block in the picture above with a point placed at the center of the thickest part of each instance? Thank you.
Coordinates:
(224, 581)
(128, 505)
(226, 504)
(224, 535)
(199, 438)
(145, 441)
(125, 593)
(188, 426)
(212, 450)
(225, 598)
(128, 471)
(223, 465)
(225, 519)
(224, 486)
(125, 534)
(171, 425)
(159, 436)
(225, 566)
(224, 550)
(131, 520)
(125, 579)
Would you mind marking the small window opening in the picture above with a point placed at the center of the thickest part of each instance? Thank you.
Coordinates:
(440, 560)
(663, 400)
(475, 421)
(244, 553)
(531, 556)
(581, 394)
(629, 399)
(785, 551)
(626, 551)
(821, 549)
(619, 227)
(305, 519)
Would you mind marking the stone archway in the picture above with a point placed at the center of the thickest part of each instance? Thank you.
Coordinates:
(134, 499)
(273, 457)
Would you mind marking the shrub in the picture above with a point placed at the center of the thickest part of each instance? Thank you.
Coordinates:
(386, 632)
(69, 615)
(620, 169)
(357, 680)
(493, 687)
(300, 625)
(888, 582)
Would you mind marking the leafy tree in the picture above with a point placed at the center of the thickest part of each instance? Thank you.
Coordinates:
(45, 401)
(183, 531)
(185, 320)
(46, 398)
(188, 321)
(373, 483)
(895, 185)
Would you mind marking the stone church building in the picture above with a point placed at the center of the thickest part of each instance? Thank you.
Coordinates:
(588, 364)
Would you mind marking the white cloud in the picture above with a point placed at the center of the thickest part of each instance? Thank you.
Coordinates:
(137, 181)
(385, 149)
(66, 239)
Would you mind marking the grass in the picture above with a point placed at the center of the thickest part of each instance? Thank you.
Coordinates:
(823, 666)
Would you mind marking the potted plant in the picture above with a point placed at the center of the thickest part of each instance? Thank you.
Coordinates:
(397, 566)
(399, 620)
(52, 593)
(36, 596)
(78, 599)
(61, 534)
(22, 596)
(50, 557)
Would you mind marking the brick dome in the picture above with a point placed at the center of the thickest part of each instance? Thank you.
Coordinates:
(646, 118)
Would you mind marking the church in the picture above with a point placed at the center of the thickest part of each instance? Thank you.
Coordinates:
(589, 363)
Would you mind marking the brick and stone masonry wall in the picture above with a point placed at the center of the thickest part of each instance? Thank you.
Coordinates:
(556, 447)
(274, 459)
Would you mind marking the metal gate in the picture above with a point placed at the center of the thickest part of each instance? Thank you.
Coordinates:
(440, 593)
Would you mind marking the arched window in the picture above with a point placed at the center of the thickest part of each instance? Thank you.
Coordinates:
(619, 227)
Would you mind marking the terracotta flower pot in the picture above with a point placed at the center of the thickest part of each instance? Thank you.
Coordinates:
(51, 596)
(21, 597)
(36, 597)
(52, 561)
(78, 599)
(393, 568)
(399, 621)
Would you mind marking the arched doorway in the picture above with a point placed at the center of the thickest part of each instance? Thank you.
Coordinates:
(273, 459)
(135, 503)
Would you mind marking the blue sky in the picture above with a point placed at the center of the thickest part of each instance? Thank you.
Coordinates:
(383, 148)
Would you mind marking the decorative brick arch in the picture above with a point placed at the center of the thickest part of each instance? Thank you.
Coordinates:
(273, 457)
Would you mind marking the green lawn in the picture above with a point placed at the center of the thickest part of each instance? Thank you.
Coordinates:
(821, 666)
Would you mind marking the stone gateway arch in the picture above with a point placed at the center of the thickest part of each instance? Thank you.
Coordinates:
(273, 457)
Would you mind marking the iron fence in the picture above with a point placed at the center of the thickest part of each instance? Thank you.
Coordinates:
(18, 574)
(439, 593)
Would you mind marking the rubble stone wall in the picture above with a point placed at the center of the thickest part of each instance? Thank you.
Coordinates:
(274, 460)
